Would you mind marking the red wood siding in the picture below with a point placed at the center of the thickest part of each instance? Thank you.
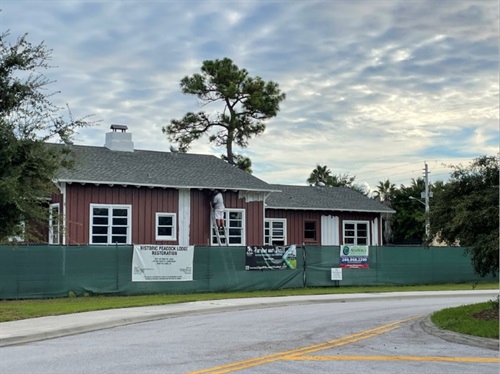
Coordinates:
(295, 220)
(201, 211)
(145, 203)
(200, 217)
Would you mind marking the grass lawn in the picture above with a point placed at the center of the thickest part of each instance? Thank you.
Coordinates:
(474, 319)
(11, 310)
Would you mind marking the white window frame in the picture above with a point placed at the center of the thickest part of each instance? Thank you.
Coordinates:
(268, 225)
(230, 232)
(54, 230)
(128, 207)
(355, 237)
(174, 226)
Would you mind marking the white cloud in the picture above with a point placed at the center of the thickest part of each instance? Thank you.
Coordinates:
(373, 88)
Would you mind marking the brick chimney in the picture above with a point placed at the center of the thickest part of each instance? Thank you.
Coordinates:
(119, 139)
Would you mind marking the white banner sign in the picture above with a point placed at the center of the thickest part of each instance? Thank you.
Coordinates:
(162, 263)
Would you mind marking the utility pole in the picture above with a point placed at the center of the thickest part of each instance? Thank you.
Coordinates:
(427, 209)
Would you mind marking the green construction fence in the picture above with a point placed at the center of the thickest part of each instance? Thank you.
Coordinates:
(56, 271)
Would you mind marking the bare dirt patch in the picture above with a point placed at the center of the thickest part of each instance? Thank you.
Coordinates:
(487, 315)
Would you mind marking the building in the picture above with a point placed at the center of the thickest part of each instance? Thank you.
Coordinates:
(116, 194)
(318, 215)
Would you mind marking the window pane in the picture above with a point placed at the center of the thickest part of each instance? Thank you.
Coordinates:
(165, 221)
(266, 224)
(349, 226)
(119, 231)
(120, 212)
(235, 223)
(310, 235)
(99, 239)
(119, 239)
(235, 232)
(100, 221)
(278, 232)
(120, 221)
(349, 240)
(277, 225)
(235, 240)
(102, 230)
(100, 211)
(349, 233)
(235, 215)
(309, 225)
(164, 231)
(361, 241)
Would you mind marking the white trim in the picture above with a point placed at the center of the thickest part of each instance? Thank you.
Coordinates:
(334, 209)
(174, 226)
(51, 223)
(123, 183)
(330, 230)
(62, 188)
(355, 222)
(109, 234)
(270, 221)
(227, 211)
(375, 231)
(250, 196)
(184, 216)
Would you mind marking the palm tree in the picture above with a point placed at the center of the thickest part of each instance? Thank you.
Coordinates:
(385, 194)
(319, 175)
(385, 191)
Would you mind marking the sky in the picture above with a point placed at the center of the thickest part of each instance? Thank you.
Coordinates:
(374, 88)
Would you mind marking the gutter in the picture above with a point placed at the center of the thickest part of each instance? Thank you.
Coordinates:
(334, 209)
(152, 185)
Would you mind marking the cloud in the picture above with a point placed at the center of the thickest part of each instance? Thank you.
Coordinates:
(374, 88)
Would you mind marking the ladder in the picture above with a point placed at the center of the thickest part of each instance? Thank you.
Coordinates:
(221, 236)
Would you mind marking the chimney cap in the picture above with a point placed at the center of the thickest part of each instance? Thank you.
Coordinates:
(122, 128)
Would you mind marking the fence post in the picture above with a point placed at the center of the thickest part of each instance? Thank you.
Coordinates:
(304, 257)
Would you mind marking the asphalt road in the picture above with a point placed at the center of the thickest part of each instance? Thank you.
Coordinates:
(382, 335)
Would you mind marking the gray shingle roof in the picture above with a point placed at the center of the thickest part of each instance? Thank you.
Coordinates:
(150, 168)
(322, 198)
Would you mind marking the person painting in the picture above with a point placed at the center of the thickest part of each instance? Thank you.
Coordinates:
(218, 206)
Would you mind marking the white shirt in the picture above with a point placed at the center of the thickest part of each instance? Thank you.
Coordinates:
(218, 202)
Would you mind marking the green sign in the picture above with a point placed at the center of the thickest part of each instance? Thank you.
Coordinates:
(354, 250)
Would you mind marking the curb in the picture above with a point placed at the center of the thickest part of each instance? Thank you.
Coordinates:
(456, 337)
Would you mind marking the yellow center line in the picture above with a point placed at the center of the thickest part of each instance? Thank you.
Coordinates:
(395, 358)
(245, 364)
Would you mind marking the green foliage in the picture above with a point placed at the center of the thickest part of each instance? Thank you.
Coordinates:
(241, 162)
(462, 320)
(495, 303)
(322, 175)
(247, 102)
(385, 193)
(27, 121)
(408, 223)
(466, 211)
